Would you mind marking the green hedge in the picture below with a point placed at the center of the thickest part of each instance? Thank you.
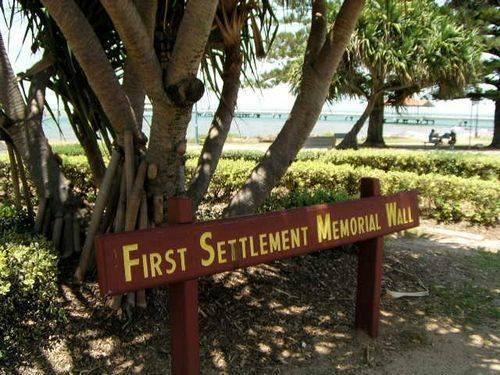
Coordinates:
(460, 164)
(29, 311)
(75, 168)
(445, 198)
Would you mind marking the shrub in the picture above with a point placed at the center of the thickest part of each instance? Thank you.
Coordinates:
(445, 198)
(421, 162)
(13, 219)
(284, 200)
(29, 312)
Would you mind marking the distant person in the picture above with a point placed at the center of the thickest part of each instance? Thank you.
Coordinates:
(432, 136)
(453, 139)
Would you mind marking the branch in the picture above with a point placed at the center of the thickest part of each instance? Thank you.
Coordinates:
(221, 124)
(350, 140)
(140, 50)
(317, 34)
(132, 84)
(338, 37)
(91, 57)
(45, 63)
(395, 88)
(304, 114)
(191, 40)
(10, 94)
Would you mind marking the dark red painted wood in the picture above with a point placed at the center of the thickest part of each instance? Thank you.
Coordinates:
(370, 258)
(183, 242)
(183, 304)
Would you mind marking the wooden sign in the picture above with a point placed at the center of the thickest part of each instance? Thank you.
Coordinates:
(146, 258)
(179, 254)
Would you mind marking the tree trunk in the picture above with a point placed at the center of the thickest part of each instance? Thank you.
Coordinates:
(92, 59)
(89, 144)
(315, 84)
(219, 129)
(14, 177)
(43, 166)
(495, 143)
(167, 144)
(351, 138)
(375, 136)
(94, 157)
(27, 134)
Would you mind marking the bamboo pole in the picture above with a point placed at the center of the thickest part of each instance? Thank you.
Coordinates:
(128, 146)
(143, 212)
(57, 231)
(100, 204)
(107, 221)
(120, 210)
(158, 209)
(152, 171)
(47, 219)
(24, 181)
(76, 234)
(14, 177)
(130, 303)
(40, 213)
(143, 224)
(115, 301)
(68, 234)
(133, 203)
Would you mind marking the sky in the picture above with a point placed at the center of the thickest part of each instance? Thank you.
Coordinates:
(275, 99)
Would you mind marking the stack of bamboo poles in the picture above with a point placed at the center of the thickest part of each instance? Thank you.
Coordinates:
(18, 177)
(121, 205)
(62, 228)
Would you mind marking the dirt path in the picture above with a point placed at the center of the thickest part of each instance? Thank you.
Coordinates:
(296, 316)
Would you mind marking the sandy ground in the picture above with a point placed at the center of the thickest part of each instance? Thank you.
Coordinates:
(254, 145)
(408, 145)
(296, 316)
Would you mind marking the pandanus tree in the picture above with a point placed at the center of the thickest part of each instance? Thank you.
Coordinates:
(398, 49)
(22, 130)
(163, 66)
(484, 16)
(66, 78)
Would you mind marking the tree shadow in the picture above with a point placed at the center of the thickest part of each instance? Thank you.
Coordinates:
(291, 316)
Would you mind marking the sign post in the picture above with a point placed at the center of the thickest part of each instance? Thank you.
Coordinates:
(370, 258)
(185, 250)
(183, 305)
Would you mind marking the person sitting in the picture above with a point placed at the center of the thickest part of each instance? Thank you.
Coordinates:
(453, 139)
(434, 138)
(431, 135)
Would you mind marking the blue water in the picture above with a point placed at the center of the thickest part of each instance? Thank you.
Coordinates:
(270, 124)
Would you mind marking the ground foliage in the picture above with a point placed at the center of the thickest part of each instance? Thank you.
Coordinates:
(29, 311)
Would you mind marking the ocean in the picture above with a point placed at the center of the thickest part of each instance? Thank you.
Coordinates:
(261, 124)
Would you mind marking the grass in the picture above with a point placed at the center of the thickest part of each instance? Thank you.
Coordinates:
(467, 302)
(487, 261)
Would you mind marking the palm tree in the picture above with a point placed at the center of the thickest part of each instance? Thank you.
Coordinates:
(483, 15)
(398, 49)
(22, 127)
(143, 173)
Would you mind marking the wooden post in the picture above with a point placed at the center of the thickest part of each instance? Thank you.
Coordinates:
(183, 303)
(370, 257)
